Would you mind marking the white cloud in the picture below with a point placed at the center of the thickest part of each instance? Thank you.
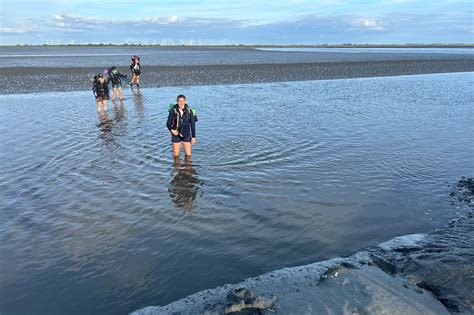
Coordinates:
(11, 30)
(163, 20)
(302, 29)
(69, 18)
(369, 23)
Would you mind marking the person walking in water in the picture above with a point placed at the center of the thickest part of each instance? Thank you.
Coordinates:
(182, 125)
(101, 92)
(136, 72)
(116, 78)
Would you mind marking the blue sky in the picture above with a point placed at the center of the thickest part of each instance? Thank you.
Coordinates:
(236, 22)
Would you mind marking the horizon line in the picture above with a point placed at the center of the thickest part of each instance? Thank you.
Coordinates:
(253, 45)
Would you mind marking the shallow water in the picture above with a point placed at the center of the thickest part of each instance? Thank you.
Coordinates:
(466, 51)
(64, 57)
(99, 219)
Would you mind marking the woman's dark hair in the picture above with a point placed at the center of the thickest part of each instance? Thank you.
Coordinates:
(180, 96)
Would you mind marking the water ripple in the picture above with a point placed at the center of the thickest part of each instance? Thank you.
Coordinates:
(97, 215)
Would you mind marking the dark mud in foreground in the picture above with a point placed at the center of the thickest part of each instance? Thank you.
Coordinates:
(444, 265)
(44, 79)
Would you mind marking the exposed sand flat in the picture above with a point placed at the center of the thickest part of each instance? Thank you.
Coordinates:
(43, 79)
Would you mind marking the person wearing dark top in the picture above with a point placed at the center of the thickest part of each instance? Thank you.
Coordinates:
(136, 72)
(182, 125)
(115, 77)
(101, 92)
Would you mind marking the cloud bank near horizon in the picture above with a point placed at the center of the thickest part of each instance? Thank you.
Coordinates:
(387, 27)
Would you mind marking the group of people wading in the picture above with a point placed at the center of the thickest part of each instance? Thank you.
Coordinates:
(181, 118)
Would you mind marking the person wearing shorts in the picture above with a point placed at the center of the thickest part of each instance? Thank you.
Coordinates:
(115, 77)
(101, 92)
(136, 72)
(182, 125)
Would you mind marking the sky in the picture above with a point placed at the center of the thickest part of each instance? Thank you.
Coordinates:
(236, 22)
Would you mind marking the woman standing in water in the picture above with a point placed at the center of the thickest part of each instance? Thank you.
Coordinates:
(116, 78)
(101, 92)
(182, 125)
(136, 72)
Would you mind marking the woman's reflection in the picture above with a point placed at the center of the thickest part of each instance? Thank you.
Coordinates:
(119, 111)
(104, 122)
(138, 100)
(185, 185)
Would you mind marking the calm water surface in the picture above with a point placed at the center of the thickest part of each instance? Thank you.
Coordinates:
(64, 57)
(97, 218)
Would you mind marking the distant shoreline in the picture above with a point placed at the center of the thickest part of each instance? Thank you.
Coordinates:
(248, 46)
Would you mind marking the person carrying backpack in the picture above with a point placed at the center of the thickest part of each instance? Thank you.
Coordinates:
(182, 125)
(101, 92)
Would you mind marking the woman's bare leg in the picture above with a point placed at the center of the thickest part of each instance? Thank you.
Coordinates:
(176, 148)
(120, 93)
(134, 77)
(115, 93)
(138, 84)
(187, 148)
(176, 162)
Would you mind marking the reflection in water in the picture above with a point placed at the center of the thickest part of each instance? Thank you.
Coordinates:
(104, 122)
(139, 107)
(112, 128)
(119, 111)
(105, 128)
(185, 185)
(120, 123)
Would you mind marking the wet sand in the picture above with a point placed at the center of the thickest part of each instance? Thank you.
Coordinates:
(413, 274)
(18, 80)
